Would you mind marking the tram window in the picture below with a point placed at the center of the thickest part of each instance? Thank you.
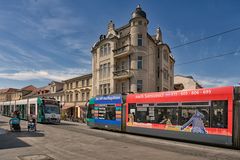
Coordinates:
(110, 112)
(167, 115)
(90, 111)
(142, 114)
(32, 109)
(206, 115)
(219, 114)
(132, 112)
(12, 108)
(186, 113)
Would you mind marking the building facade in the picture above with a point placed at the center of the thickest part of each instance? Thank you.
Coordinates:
(77, 92)
(185, 82)
(129, 59)
(8, 94)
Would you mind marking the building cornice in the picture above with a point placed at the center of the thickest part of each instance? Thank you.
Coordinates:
(78, 78)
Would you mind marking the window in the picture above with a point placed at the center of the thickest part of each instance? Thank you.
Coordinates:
(108, 49)
(123, 87)
(139, 85)
(158, 71)
(105, 50)
(87, 96)
(167, 115)
(87, 82)
(219, 114)
(70, 85)
(100, 90)
(109, 88)
(122, 65)
(105, 89)
(83, 83)
(110, 112)
(140, 40)
(71, 97)
(158, 53)
(83, 96)
(165, 74)
(76, 96)
(165, 56)
(76, 84)
(104, 70)
(101, 71)
(101, 51)
(108, 69)
(67, 98)
(139, 22)
(140, 62)
(141, 114)
(32, 109)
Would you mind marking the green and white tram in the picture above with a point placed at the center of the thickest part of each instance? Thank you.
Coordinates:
(43, 109)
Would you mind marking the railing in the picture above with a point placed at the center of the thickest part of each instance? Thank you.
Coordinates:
(121, 50)
(121, 73)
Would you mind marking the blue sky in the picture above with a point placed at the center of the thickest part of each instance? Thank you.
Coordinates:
(45, 40)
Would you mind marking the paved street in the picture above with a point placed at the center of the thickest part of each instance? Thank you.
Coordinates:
(77, 141)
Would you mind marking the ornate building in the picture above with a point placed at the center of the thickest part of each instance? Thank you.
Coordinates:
(129, 59)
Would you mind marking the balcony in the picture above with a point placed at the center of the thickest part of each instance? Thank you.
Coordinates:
(122, 74)
(122, 51)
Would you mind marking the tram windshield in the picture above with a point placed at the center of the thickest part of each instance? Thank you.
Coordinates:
(49, 108)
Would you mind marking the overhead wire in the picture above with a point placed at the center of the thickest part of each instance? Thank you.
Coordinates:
(205, 38)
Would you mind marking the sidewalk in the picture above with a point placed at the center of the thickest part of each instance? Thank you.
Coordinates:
(75, 123)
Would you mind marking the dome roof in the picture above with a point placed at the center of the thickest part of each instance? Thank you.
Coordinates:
(139, 13)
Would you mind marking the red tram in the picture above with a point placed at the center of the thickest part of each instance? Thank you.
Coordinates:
(209, 115)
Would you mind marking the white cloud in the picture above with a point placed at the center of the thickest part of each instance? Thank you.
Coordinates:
(217, 81)
(45, 74)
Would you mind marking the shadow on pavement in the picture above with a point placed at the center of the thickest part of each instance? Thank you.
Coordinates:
(8, 142)
(26, 134)
(11, 139)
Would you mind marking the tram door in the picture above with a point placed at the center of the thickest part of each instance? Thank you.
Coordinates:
(236, 118)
